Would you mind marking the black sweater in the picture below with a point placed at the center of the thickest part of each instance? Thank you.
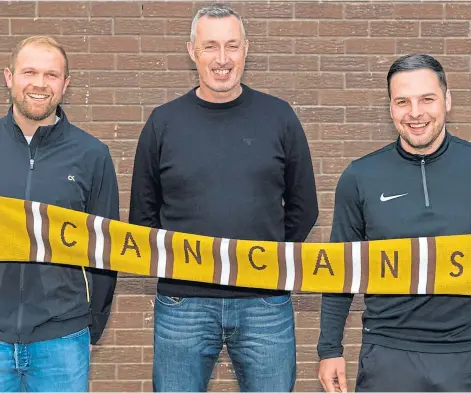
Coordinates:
(432, 198)
(224, 170)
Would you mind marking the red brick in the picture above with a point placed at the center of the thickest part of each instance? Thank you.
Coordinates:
(369, 11)
(74, 44)
(131, 303)
(458, 11)
(4, 26)
(67, 9)
(114, 386)
(457, 46)
(323, 80)
(141, 62)
(320, 46)
(114, 79)
(444, 29)
(334, 166)
(114, 44)
(272, 10)
(253, 27)
(460, 130)
(271, 45)
(139, 26)
(423, 45)
(293, 28)
(140, 96)
(359, 149)
(21, 9)
(381, 63)
(111, 8)
(172, 9)
(378, 97)
(164, 79)
(256, 62)
(325, 149)
(370, 46)
(134, 337)
(344, 63)
(76, 113)
(116, 113)
(312, 133)
(35, 26)
(216, 385)
(383, 132)
(7, 43)
(122, 148)
(454, 63)
(418, 11)
(177, 26)
(321, 114)
(294, 63)
(102, 371)
(163, 44)
(367, 114)
(79, 79)
(91, 61)
(269, 80)
(371, 80)
(147, 354)
(86, 96)
(459, 114)
(326, 182)
(147, 386)
(128, 285)
(455, 80)
(85, 26)
(134, 371)
(116, 355)
(318, 10)
(461, 97)
(341, 29)
(115, 130)
(125, 320)
(345, 131)
(296, 97)
(180, 62)
(394, 29)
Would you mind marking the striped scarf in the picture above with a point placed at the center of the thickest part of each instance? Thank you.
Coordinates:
(36, 232)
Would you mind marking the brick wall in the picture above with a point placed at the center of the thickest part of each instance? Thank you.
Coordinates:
(327, 59)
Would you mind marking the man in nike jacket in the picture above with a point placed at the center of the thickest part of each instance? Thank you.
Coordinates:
(418, 186)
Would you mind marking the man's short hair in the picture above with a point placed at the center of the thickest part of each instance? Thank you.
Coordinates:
(417, 61)
(214, 11)
(39, 40)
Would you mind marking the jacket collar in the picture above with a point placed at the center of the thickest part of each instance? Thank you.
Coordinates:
(47, 134)
(427, 157)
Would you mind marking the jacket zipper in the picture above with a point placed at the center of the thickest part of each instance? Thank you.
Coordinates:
(424, 182)
(22, 268)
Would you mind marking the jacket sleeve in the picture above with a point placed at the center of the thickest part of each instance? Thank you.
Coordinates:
(146, 193)
(348, 226)
(300, 199)
(104, 202)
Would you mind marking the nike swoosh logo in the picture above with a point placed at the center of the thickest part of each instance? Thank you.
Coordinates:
(388, 198)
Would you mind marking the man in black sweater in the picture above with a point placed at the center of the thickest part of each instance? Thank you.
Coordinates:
(226, 161)
(416, 187)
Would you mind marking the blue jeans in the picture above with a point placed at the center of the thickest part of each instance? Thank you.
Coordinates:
(58, 365)
(189, 334)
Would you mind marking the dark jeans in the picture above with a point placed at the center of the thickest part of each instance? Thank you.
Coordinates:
(190, 332)
(382, 369)
(58, 365)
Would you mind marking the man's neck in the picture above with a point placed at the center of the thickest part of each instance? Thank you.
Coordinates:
(216, 96)
(28, 126)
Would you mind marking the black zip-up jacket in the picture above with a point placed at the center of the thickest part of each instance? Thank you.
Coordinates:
(393, 194)
(66, 167)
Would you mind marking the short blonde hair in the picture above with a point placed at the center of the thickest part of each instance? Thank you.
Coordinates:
(39, 40)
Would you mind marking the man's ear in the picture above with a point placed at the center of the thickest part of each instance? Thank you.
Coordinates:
(448, 100)
(8, 77)
(191, 50)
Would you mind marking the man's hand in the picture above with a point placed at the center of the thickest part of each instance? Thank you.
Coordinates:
(332, 374)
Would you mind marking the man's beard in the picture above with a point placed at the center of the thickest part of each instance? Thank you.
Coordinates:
(426, 144)
(25, 109)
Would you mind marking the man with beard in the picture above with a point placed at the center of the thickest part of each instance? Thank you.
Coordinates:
(416, 187)
(46, 310)
(227, 161)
